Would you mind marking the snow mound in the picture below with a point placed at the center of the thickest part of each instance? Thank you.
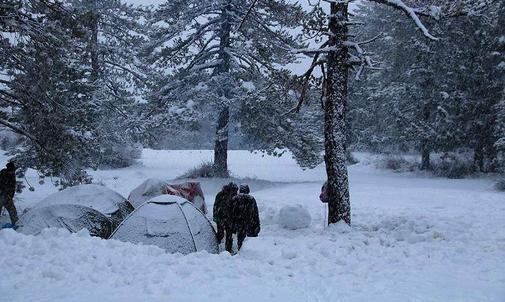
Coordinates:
(99, 198)
(294, 217)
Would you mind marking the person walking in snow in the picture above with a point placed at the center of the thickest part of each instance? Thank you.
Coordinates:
(246, 221)
(222, 214)
(7, 190)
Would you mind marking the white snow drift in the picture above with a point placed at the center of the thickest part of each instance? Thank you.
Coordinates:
(413, 238)
(293, 217)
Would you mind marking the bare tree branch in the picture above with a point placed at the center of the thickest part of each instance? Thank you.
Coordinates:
(249, 10)
(411, 12)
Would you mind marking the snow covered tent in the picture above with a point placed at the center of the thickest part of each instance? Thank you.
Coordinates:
(99, 198)
(170, 222)
(150, 188)
(153, 187)
(68, 216)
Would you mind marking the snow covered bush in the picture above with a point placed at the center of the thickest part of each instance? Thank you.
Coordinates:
(80, 177)
(351, 160)
(203, 170)
(396, 163)
(454, 165)
(500, 185)
(120, 154)
(294, 217)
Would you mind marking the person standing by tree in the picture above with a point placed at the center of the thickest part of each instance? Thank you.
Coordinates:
(7, 190)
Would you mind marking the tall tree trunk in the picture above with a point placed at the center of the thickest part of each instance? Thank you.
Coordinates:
(425, 156)
(221, 141)
(478, 157)
(221, 144)
(334, 117)
(93, 42)
(425, 144)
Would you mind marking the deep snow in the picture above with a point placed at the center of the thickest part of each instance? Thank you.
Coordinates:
(414, 238)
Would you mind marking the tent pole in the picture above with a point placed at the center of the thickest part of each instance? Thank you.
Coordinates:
(189, 227)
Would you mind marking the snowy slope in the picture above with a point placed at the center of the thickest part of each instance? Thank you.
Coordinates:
(413, 239)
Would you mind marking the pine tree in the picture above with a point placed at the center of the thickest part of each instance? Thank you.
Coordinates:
(43, 87)
(268, 123)
(113, 36)
(429, 101)
(498, 58)
(213, 50)
(335, 59)
(68, 83)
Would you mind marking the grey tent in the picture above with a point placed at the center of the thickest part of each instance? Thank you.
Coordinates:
(170, 222)
(71, 217)
(99, 198)
(147, 190)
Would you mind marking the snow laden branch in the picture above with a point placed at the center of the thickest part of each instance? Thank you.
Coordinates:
(411, 12)
(362, 58)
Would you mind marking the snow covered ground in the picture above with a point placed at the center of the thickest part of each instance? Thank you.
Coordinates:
(413, 238)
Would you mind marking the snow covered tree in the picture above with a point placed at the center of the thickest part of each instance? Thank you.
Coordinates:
(498, 57)
(335, 57)
(42, 86)
(427, 100)
(407, 90)
(213, 51)
(67, 84)
(267, 125)
(113, 36)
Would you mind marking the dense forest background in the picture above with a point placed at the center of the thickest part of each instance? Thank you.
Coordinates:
(88, 83)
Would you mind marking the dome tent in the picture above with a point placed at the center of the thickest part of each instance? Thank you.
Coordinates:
(169, 222)
(153, 187)
(68, 216)
(150, 188)
(99, 198)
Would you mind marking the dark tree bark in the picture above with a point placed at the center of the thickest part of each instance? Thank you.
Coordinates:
(425, 144)
(93, 42)
(335, 108)
(425, 156)
(478, 157)
(221, 141)
(221, 144)
(335, 92)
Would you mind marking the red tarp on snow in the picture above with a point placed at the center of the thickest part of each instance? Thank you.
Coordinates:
(190, 191)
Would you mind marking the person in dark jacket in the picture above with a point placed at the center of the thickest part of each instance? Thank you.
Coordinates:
(222, 214)
(7, 190)
(324, 193)
(246, 221)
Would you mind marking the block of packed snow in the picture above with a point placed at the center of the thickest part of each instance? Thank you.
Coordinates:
(294, 217)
